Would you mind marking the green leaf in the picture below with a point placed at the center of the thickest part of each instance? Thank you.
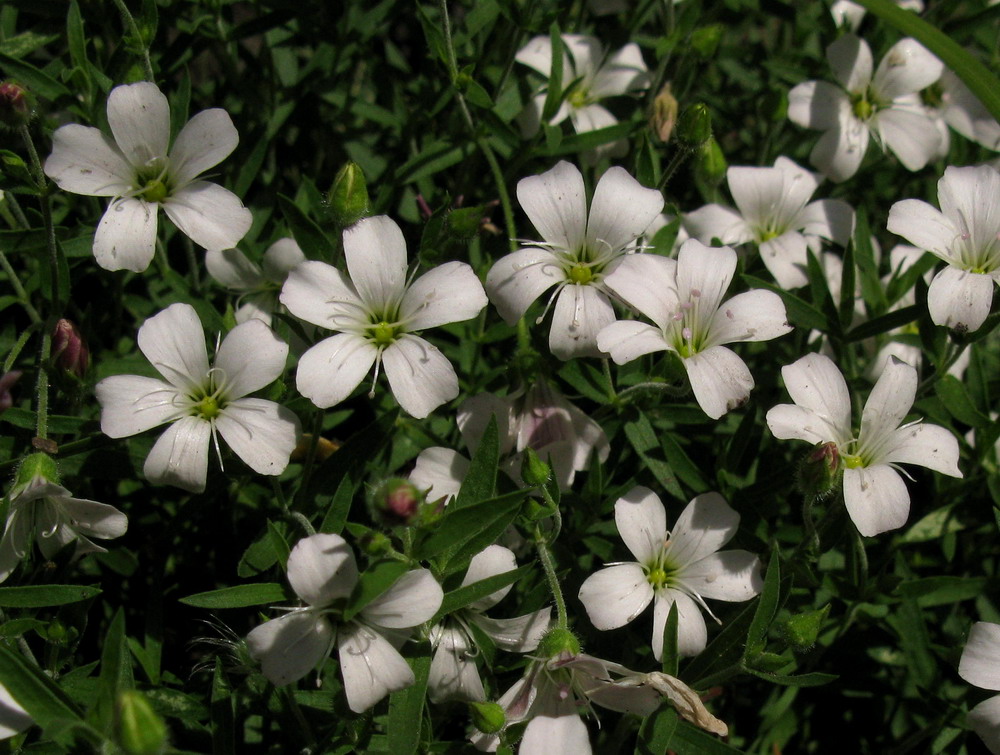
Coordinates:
(847, 279)
(76, 37)
(946, 590)
(889, 321)
(464, 532)
(872, 289)
(767, 606)
(800, 312)
(223, 714)
(957, 401)
(116, 674)
(670, 654)
(36, 693)
(723, 654)
(554, 95)
(37, 81)
(480, 481)
(657, 732)
(41, 596)
(406, 708)
(25, 43)
(646, 443)
(813, 679)
(259, 556)
(375, 580)
(575, 143)
(463, 596)
(240, 596)
(933, 526)
(315, 244)
(688, 739)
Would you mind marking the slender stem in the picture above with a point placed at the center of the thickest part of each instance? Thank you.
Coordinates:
(548, 565)
(19, 289)
(15, 207)
(50, 231)
(680, 155)
(134, 31)
(42, 384)
(606, 369)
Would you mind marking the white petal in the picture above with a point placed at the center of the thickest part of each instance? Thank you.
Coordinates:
(180, 456)
(232, 269)
(959, 299)
(642, 523)
(716, 221)
(13, 718)
(817, 104)
(720, 380)
(790, 421)
(627, 340)
(555, 203)
(280, 258)
(616, 595)
(623, 72)
(980, 662)
(492, 561)
(756, 315)
(580, 314)
(475, 413)
(730, 575)
(692, 634)
(840, 150)
(413, 599)
(209, 215)
(174, 343)
(375, 251)
(518, 635)
(984, 719)
(251, 356)
(204, 142)
(850, 59)
(923, 225)
(322, 295)
(370, 666)
(910, 135)
(906, 68)
(94, 519)
(421, 377)
(967, 196)
(449, 293)
(786, 258)
(126, 236)
(771, 197)
(453, 673)
(333, 368)
(556, 735)
(537, 54)
(440, 471)
(321, 569)
(621, 210)
(647, 283)
(139, 116)
(925, 445)
(516, 280)
(262, 433)
(815, 383)
(705, 525)
(85, 161)
(831, 219)
(889, 402)
(290, 646)
(131, 404)
(587, 52)
(704, 272)
(876, 498)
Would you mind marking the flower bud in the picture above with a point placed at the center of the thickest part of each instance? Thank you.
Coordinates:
(466, 222)
(396, 502)
(489, 718)
(69, 350)
(348, 197)
(710, 164)
(694, 127)
(7, 381)
(664, 116)
(534, 471)
(139, 730)
(15, 105)
(558, 641)
(35, 466)
(375, 543)
(800, 631)
(705, 40)
(819, 471)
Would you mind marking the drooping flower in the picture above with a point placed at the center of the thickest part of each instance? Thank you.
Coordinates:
(376, 315)
(980, 665)
(199, 401)
(965, 233)
(258, 285)
(453, 672)
(142, 173)
(681, 566)
(323, 573)
(589, 75)
(774, 212)
(874, 492)
(684, 300)
(884, 105)
(576, 253)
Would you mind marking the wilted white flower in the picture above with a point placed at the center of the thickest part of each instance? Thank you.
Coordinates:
(980, 665)
(258, 285)
(142, 174)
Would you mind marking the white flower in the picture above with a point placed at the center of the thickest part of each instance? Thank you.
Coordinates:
(13, 718)
(885, 105)
(980, 665)
(139, 171)
(376, 314)
(258, 285)
(849, 15)
(587, 78)
(874, 492)
(965, 233)
(962, 110)
(199, 400)
(681, 566)
(576, 254)
(453, 673)
(776, 215)
(47, 513)
(684, 299)
(323, 573)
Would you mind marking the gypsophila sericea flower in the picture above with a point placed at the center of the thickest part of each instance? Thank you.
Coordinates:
(849, 15)
(980, 665)
(884, 105)
(681, 566)
(684, 299)
(43, 511)
(201, 401)
(774, 212)
(323, 573)
(258, 285)
(874, 492)
(453, 672)
(142, 173)
(576, 253)
(965, 233)
(377, 314)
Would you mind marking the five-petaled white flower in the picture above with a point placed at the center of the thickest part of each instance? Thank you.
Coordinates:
(258, 285)
(453, 673)
(874, 492)
(376, 314)
(965, 233)
(684, 299)
(774, 212)
(139, 171)
(323, 573)
(884, 105)
(577, 252)
(199, 400)
(980, 665)
(681, 566)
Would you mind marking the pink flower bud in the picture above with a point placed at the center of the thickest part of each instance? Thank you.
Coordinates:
(397, 502)
(7, 381)
(15, 107)
(69, 350)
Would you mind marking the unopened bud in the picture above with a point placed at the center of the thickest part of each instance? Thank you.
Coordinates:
(466, 222)
(15, 105)
(140, 731)
(694, 127)
(534, 471)
(348, 197)
(397, 502)
(710, 164)
(375, 543)
(705, 40)
(556, 641)
(819, 471)
(7, 381)
(800, 631)
(664, 116)
(69, 350)
(489, 718)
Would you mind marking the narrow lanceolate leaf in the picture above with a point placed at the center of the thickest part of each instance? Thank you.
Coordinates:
(406, 708)
(481, 479)
(240, 596)
(647, 445)
(375, 580)
(657, 732)
(41, 596)
(36, 693)
(814, 679)
(669, 655)
(116, 674)
(767, 606)
(463, 596)
(957, 400)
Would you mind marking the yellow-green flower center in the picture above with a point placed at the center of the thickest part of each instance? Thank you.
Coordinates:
(581, 274)
(155, 191)
(383, 333)
(208, 408)
(862, 108)
(852, 461)
(578, 98)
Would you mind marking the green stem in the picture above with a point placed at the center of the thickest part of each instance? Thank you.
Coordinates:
(55, 261)
(680, 155)
(548, 566)
(15, 207)
(606, 369)
(19, 289)
(134, 31)
(42, 385)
